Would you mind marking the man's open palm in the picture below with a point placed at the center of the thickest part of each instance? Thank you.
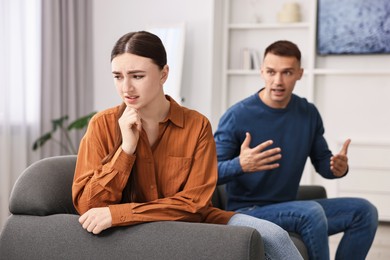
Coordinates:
(257, 158)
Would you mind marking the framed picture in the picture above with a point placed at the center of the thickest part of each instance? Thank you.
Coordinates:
(353, 27)
(173, 38)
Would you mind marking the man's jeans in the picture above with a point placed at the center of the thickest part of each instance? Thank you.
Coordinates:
(315, 220)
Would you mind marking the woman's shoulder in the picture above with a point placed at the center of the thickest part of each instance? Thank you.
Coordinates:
(105, 119)
(192, 115)
(107, 113)
(180, 113)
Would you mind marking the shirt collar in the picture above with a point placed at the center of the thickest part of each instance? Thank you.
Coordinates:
(176, 113)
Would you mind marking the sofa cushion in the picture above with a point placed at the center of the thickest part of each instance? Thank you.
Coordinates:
(45, 188)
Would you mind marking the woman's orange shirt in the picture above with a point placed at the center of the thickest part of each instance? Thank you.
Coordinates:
(175, 178)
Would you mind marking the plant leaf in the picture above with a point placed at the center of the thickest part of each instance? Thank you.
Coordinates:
(58, 122)
(81, 122)
(41, 140)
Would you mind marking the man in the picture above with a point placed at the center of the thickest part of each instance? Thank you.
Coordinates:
(263, 143)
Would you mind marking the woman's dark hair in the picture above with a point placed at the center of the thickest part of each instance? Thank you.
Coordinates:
(284, 48)
(148, 45)
(144, 44)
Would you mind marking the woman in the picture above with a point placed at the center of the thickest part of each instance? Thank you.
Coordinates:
(150, 159)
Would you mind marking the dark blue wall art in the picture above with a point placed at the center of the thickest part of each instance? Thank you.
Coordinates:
(353, 27)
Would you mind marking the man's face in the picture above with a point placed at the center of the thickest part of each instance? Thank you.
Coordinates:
(280, 74)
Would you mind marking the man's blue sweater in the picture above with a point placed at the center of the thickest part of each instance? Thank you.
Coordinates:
(297, 129)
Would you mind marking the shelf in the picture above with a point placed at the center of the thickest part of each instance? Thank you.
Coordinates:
(350, 72)
(239, 72)
(249, 26)
(318, 72)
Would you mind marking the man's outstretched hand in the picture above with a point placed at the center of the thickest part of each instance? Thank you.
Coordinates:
(339, 162)
(257, 158)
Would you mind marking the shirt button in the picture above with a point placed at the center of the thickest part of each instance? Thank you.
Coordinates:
(151, 187)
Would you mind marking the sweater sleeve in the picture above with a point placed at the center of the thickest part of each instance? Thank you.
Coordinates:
(228, 149)
(320, 154)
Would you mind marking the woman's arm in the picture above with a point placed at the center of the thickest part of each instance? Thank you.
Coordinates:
(95, 184)
(190, 200)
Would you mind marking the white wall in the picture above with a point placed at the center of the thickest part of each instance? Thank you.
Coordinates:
(114, 18)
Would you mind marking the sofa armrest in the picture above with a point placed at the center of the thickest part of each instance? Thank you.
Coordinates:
(60, 236)
(311, 192)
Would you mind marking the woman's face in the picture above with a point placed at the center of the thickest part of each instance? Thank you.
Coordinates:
(137, 79)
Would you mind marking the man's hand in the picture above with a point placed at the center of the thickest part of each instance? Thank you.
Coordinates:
(339, 162)
(257, 159)
(96, 220)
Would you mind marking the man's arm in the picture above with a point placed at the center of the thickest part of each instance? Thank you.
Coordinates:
(248, 160)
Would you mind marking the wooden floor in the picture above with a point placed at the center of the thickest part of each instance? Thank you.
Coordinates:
(380, 248)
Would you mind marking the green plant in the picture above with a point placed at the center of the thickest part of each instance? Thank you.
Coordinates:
(59, 124)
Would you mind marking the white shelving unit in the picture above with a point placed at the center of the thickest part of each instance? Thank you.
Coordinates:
(352, 92)
(239, 33)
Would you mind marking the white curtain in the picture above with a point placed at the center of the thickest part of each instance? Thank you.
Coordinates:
(45, 73)
(19, 90)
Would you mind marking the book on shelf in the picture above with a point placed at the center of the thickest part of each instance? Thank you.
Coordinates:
(250, 59)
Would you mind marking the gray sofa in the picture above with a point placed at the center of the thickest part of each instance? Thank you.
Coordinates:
(44, 225)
